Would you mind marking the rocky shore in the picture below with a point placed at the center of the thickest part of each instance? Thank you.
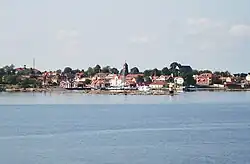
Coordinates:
(27, 90)
(134, 92)
(114, 92)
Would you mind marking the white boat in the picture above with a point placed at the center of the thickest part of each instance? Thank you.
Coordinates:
(144, 88)
(121, 88)
(180, 89)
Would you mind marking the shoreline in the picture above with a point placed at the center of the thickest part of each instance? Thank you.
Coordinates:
(118, 92)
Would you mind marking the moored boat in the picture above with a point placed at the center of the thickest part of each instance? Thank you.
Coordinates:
(79, 88)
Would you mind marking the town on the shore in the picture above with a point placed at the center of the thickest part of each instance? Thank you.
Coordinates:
(175, 77)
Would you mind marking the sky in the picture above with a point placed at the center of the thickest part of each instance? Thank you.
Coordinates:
(206, 34)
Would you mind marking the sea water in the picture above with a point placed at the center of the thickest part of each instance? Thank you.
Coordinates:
(72, 128)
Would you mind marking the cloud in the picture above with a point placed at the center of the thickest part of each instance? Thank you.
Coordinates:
(204, 34)
(199, 22)
(203, 26)
(139, 39)
(240, 30)
(142, 39)
(67, 34)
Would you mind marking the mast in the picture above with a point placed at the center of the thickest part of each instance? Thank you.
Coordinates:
(124, 74)
(34, 66)
(34, 63)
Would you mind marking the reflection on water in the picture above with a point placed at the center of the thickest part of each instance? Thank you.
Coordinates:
(80, 98)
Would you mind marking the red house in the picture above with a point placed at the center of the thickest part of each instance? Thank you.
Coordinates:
(204, 79)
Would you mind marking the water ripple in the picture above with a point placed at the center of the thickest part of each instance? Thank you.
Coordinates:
(130, 130)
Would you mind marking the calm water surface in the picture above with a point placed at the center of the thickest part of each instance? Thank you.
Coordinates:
(72, 128)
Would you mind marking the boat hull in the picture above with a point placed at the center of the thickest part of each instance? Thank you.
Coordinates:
(78, 89)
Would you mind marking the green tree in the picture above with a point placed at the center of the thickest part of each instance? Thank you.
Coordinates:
(165, 71)
(106, 69)
(173, 68)
(134, 70)
(174, 65)
(9, 69)
(87, 81)
(147, 79)
(75, 71)
(195, 72)
(217, 80)
(204, 71)
(139, 79)
(10, 79)
(156, 72)
(90, 72)
(97, 69)
(114, 71)
(24, 72)
(67, 70)
(58, 71)
(12, 66)
(147, 73)
(29, 83)
(189, 80)
(226, 74)
(2, 72)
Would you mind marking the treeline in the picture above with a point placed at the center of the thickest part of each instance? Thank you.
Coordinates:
(174, 68)
(9, 75)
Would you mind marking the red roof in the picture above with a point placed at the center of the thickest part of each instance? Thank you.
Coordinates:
(80, 73)
(19, 69)
(209, 75)
(94, 82)
(134, 75)
(111, 76)
(130, 82)
(158, 83)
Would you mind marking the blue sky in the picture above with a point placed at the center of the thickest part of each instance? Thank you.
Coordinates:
(206, 34)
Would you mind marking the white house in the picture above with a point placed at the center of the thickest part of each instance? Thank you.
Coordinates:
(143, 88)
(228, 79)
(79, 79)
(67, 84)
(116, 81)
(248, 78)
(157, 85)
(179, 80)
(162, 78)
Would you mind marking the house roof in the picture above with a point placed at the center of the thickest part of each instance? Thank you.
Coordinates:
(178, 77)
(165, 77)
(80, 74)
(19, 69)
(134, 75)
(158, 83)
(154, 77)
(99, 81)
(130, 82)
(101, 74)
(22, 69)
(185, 68)
(209, 75)
(111, 76)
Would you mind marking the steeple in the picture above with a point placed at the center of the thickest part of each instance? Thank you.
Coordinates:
(124, 72)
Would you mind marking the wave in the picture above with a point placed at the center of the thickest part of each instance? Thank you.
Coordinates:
(231, 126)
